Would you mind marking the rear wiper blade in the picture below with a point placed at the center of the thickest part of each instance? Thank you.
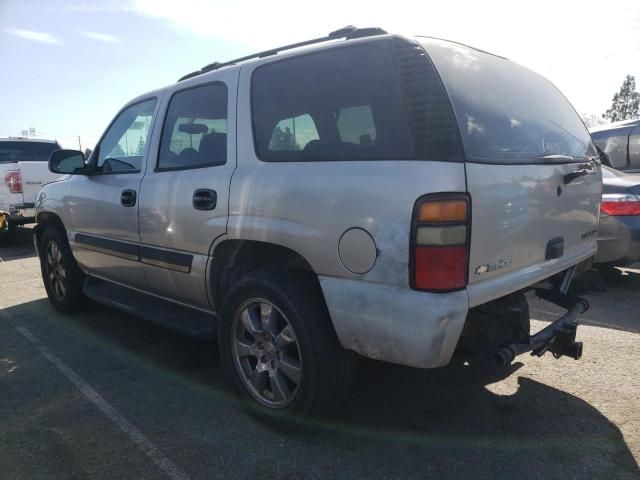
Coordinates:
(557, 158)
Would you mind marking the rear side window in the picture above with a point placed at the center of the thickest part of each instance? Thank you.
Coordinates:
(614, 144)
(195, 129)
(341, 104)
(634, 148)
(505, 112)
(286, 137)
(19, 151)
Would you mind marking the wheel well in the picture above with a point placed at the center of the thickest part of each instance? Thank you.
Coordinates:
(233, 259)
(45, 220)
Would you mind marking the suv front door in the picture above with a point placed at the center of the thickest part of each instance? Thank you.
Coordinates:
(184, 203)
(104, 205)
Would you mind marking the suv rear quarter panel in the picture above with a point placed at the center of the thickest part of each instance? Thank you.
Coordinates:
(307, 206)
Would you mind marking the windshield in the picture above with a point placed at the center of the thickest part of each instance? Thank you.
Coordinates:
(507, 113)
(20, 151)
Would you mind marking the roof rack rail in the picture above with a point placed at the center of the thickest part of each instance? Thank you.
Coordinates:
(348, 33)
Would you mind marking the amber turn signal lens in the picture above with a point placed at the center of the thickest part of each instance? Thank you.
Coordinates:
(443, 211)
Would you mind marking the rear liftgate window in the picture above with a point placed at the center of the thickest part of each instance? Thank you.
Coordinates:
(506, 113)
(340, 104)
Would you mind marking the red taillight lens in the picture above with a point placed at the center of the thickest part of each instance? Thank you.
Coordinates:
(440, 268)
(620, 204)
(13, 181)
(440, 243)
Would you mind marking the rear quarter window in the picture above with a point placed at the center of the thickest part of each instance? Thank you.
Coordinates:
(338, 104)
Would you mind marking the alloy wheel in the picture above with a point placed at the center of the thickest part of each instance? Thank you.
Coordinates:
(266, 353)
(56, 272)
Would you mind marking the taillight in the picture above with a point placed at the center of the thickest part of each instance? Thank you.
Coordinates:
(13, 181)
(440, 242)
(620, 204)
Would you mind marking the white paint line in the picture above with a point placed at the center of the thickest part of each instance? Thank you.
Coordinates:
(134, 434)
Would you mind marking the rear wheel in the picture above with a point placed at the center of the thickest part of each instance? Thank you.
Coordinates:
(62, 277)
(7, 233)
(278, 347)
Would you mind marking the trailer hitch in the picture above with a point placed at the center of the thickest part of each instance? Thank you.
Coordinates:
(559, 337)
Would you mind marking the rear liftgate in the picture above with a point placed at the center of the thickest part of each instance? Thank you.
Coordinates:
(559, 337)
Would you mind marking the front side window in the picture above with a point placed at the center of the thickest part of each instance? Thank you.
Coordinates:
(341, 104)
(195, 129)
(123, 146)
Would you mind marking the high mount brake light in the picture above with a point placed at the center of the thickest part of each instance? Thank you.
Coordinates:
(440, 243)
(617, 204)
(13, 180)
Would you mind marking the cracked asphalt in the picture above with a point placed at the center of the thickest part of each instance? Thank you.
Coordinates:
(172, 417)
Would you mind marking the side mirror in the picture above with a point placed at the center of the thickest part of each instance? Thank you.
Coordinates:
(66, 161)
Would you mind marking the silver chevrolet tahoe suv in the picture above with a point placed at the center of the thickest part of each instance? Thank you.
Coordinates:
(361, 192)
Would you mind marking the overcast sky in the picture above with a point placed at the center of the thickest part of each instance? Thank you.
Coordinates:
(66, 67)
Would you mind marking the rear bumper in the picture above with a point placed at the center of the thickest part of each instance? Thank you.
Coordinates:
(22, 214)
(420, 329)
(396, 324)
(618, 240)
(484, 291)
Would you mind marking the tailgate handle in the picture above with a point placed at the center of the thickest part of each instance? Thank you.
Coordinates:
(587, 169)
(555, 248)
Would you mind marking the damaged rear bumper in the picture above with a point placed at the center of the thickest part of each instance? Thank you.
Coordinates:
(395, 324)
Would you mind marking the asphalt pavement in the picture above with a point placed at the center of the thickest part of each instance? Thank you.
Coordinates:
(102, 394)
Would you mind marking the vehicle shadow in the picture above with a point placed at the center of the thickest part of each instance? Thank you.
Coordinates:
(400, 422)
(22, 248)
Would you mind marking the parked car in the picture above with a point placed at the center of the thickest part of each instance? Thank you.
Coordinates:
(621, 142)
(619, 231)
(23, 170)
(361, 194)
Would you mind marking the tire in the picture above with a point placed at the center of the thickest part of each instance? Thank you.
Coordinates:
(8, 235)
(62, 277)
(299, 334)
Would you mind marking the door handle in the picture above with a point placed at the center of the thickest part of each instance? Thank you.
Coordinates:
(128, 198)
(204, 199)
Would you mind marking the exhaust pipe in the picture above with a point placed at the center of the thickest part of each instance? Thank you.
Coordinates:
(557, 337)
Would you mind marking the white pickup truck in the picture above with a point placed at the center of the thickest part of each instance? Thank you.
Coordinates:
(23, 171)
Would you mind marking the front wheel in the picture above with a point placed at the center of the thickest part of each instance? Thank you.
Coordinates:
(63, 279)
(279, 348)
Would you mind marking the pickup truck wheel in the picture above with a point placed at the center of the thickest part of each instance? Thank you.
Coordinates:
(62, 277)
(8, 235)
(279, 348)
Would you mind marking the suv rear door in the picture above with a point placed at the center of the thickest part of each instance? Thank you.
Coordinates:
(184, 204)
(523, 142)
